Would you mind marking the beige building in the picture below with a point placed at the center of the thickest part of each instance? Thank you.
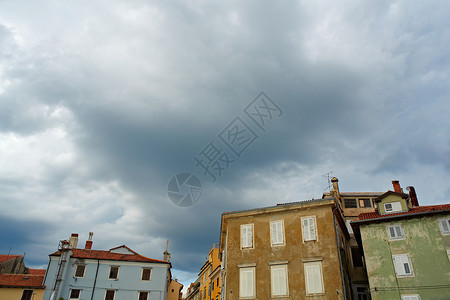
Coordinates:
(289, 250)
(21, 286)
(174, 290)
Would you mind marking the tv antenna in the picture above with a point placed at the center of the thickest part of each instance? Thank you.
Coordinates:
(327, 176)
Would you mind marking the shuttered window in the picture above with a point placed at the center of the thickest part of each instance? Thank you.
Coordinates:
(247, 236)
(26, 295)
(279, 280)
(146, 274)
(110, 295)
(79, 271)
(277, 233)
(395, 232)
(402, 265)
(75, 294)
(114, 273)
(444, 224)
(309, 229)
(392, 206)
(247, 282)
(143, 295)
(313, 277)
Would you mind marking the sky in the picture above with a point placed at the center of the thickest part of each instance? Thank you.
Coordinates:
(102, 103)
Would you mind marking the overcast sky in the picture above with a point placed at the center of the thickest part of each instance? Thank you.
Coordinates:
(102, 102)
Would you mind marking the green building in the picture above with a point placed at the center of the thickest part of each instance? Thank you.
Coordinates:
(406, 247)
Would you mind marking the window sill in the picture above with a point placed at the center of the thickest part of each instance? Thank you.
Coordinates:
(315, 295)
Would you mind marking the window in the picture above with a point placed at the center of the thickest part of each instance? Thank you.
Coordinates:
(410, 297)
(356, 257)
(146, 274)
(247, 236)
(27, 294)
(279, 280)
(79, 271)
(114, 273)
(309, 229)
(277, 233)
(247, 282)
(143, 295)
(364, 203)
(402, 265)
(350, 203)
(392, 206)
(75, 294)
(313, 277)
(444, 224)
(395, 232)
(362, 293)
(110, 295)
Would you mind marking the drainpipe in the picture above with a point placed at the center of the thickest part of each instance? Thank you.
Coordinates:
(339, 252)
(95, 280)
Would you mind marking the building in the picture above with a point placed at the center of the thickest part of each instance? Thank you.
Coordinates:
(351, 204)
(406, 247)
(12, 264)
(21, 286)
(118, 273)
(208, 285)
(289, 250)
(174, 290)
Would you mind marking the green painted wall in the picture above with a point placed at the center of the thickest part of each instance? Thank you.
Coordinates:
(391, 198)
(427, 248)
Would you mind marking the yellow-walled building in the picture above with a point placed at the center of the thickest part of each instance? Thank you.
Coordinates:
(209, 277)
(21, 286)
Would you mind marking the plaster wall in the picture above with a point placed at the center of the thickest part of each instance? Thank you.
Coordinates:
(16, 293)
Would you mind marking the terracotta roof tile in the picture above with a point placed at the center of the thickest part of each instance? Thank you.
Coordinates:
(107, 255)
(412, 210)
(37, 271)
(4, 258)
(21, 280)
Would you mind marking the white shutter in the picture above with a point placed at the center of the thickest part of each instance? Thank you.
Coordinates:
(277, 235)
(247, 282)
(279, 280)
(411, 297)
(313, 278)
(445, 225)
(247, 236)
(309, 229)
(402, 264)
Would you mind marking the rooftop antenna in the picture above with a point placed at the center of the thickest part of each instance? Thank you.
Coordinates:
(327, 176)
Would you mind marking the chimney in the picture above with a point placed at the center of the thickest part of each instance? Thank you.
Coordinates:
(166, 253)
(412, 195)
(335, 181)
(397, 187)
(73, 241)
(88, 245)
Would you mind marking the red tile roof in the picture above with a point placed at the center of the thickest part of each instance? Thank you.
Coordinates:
(4, 258)
(108, 255)
(37, 271)
(21, 280)
(412, 211)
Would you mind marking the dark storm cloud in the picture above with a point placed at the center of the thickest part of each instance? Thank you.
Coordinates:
(114, 100)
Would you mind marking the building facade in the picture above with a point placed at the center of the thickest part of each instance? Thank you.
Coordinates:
(21, 286)
(119, 273)
(290, 251)
(406, 247)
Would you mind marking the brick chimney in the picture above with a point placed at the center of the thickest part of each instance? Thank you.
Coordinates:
(412, 196)
(73, 241)
(88, 245)
(397, 187)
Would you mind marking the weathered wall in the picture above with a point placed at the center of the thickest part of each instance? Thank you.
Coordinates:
(427, 248)
(295, 251)
(16, 293)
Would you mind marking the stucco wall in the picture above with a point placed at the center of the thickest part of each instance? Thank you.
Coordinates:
(16, 293)
(295, 251)
(427, 249)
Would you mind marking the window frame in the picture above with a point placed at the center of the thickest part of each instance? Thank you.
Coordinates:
(142, 274)
(110, 269)
(441, 227)
(392, 210)
(315, 229)
(28, 297)
(252, 242)
(72, 290)
(408, 258)
(113, 291)
(247, 295)
(272, 281)
(396, 237)
(350, 199)
(277, 243)
(146, 293)
(306, 265)
(76, 269)
(364, 200)
(353, 257)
